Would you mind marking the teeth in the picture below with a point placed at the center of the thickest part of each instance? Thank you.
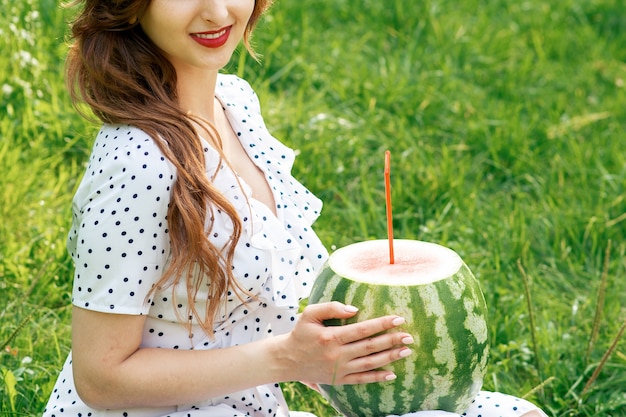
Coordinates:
(210, 35)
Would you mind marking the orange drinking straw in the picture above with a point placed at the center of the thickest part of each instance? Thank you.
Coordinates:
(388, 204)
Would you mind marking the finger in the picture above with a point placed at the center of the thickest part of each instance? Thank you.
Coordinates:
(367, 369)
(325, 311)
(379, 343)
(312, 385)
(362, 330)
(369, 377)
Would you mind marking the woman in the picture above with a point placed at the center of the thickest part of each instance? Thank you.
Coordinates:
(192, 241)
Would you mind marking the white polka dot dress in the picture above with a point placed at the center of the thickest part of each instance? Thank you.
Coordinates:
(120, 246)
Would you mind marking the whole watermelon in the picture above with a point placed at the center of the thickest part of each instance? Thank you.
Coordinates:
(434, 290)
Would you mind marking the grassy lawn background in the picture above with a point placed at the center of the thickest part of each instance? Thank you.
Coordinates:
(506, 121)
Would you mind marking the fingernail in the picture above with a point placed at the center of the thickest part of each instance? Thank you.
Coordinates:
(405, 352)
(351, 309)
(408, 340)
(398, 321)
(390, 377)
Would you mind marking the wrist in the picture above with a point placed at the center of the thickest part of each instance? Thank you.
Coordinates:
(276, 359)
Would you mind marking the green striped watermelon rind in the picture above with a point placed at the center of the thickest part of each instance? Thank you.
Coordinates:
(447, 319)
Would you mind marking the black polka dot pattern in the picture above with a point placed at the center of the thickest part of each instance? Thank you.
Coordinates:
(119, 243)
(119, 240)
(120, 246)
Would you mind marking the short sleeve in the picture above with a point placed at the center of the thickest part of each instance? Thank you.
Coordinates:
(119, 238)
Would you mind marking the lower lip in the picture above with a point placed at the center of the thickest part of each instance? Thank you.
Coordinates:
(212, 42)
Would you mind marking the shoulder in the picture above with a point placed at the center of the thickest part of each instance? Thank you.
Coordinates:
(116, 139)
(126, 145)
(124, 158)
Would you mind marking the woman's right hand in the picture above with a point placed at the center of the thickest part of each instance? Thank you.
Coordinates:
(349, 354)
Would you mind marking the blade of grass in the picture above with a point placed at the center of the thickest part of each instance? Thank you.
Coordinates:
(604, 359)
(14, 333)
(531, 315)
(599, 302)
(9, 383)
(539, 387)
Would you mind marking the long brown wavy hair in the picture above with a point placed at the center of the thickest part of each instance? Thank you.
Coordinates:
(115, 69)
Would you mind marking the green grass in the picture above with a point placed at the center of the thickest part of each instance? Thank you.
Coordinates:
(506, 123)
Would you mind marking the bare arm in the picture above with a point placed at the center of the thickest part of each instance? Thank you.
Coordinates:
(111, 371)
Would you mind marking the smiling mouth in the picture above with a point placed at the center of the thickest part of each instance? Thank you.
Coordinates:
(211, 35)
(212, 39)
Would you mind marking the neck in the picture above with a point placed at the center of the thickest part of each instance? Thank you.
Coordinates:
(197, 97)
(196, 94)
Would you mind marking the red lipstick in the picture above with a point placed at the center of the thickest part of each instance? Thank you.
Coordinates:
(212, 39)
